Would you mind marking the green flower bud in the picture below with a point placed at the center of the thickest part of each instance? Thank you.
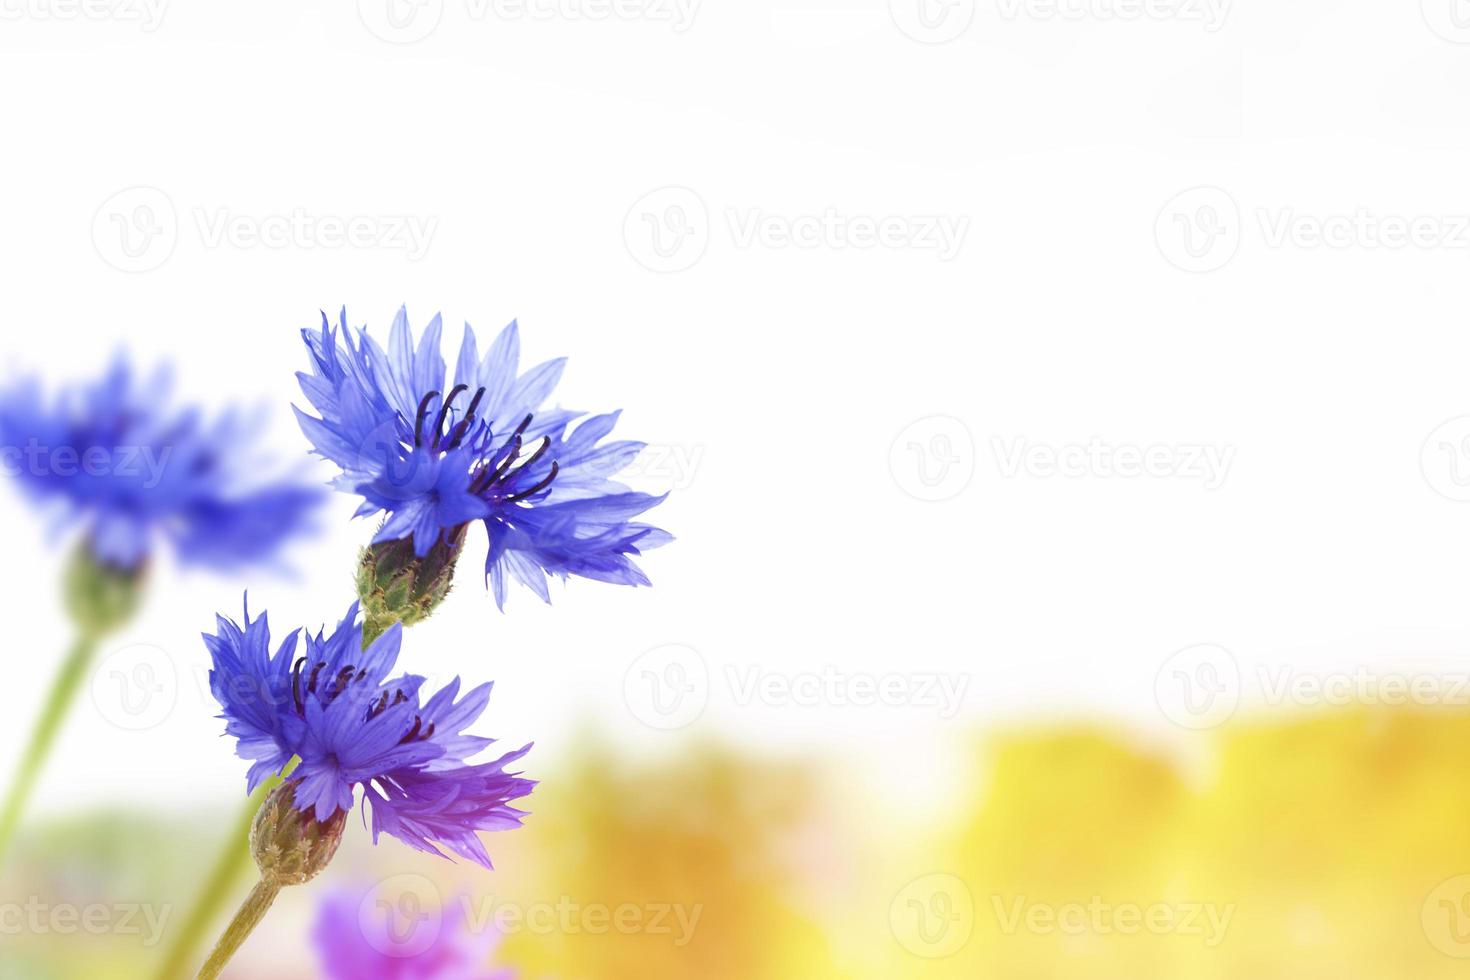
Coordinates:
(99, 597)
(292, 846)
(395, 586)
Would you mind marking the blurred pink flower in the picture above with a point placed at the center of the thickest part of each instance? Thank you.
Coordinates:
(366, 934)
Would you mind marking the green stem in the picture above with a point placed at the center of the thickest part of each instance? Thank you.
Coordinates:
(257, 904)
(43, 736)
(229, 868)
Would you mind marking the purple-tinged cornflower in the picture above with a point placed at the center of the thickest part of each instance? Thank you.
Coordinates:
(435, 456)
(336, 710)
(360, 937)
(112, 456)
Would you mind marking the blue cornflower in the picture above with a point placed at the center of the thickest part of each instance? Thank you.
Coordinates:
(435, 457)
(334, 708)
(111, 456)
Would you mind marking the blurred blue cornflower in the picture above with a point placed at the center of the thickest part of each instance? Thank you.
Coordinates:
(335, 709)
(112, 456)
(360, 936)
(435, 457)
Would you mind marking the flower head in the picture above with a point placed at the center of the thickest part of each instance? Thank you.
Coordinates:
(111, 456)
(359, 936)
(435, 456)
(335, 708)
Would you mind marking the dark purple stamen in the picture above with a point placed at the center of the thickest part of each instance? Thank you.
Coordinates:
(457, 434)
(540, 451)
(340, 682)
(444, 412)
(521, 429)
(296, 684)
(511, 451)
(488, 476)
(542, 485)
(418, 424)
(418, 732)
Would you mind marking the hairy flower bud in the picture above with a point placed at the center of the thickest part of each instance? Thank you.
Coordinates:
(101, 598)
(292, 846)
(395, 586)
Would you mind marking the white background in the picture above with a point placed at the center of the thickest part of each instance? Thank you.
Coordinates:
(795, 378)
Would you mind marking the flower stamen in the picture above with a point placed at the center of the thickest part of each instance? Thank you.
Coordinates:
(296, 684)
(457, 434)
(418, 424)
(541, 485)
(444, 412)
